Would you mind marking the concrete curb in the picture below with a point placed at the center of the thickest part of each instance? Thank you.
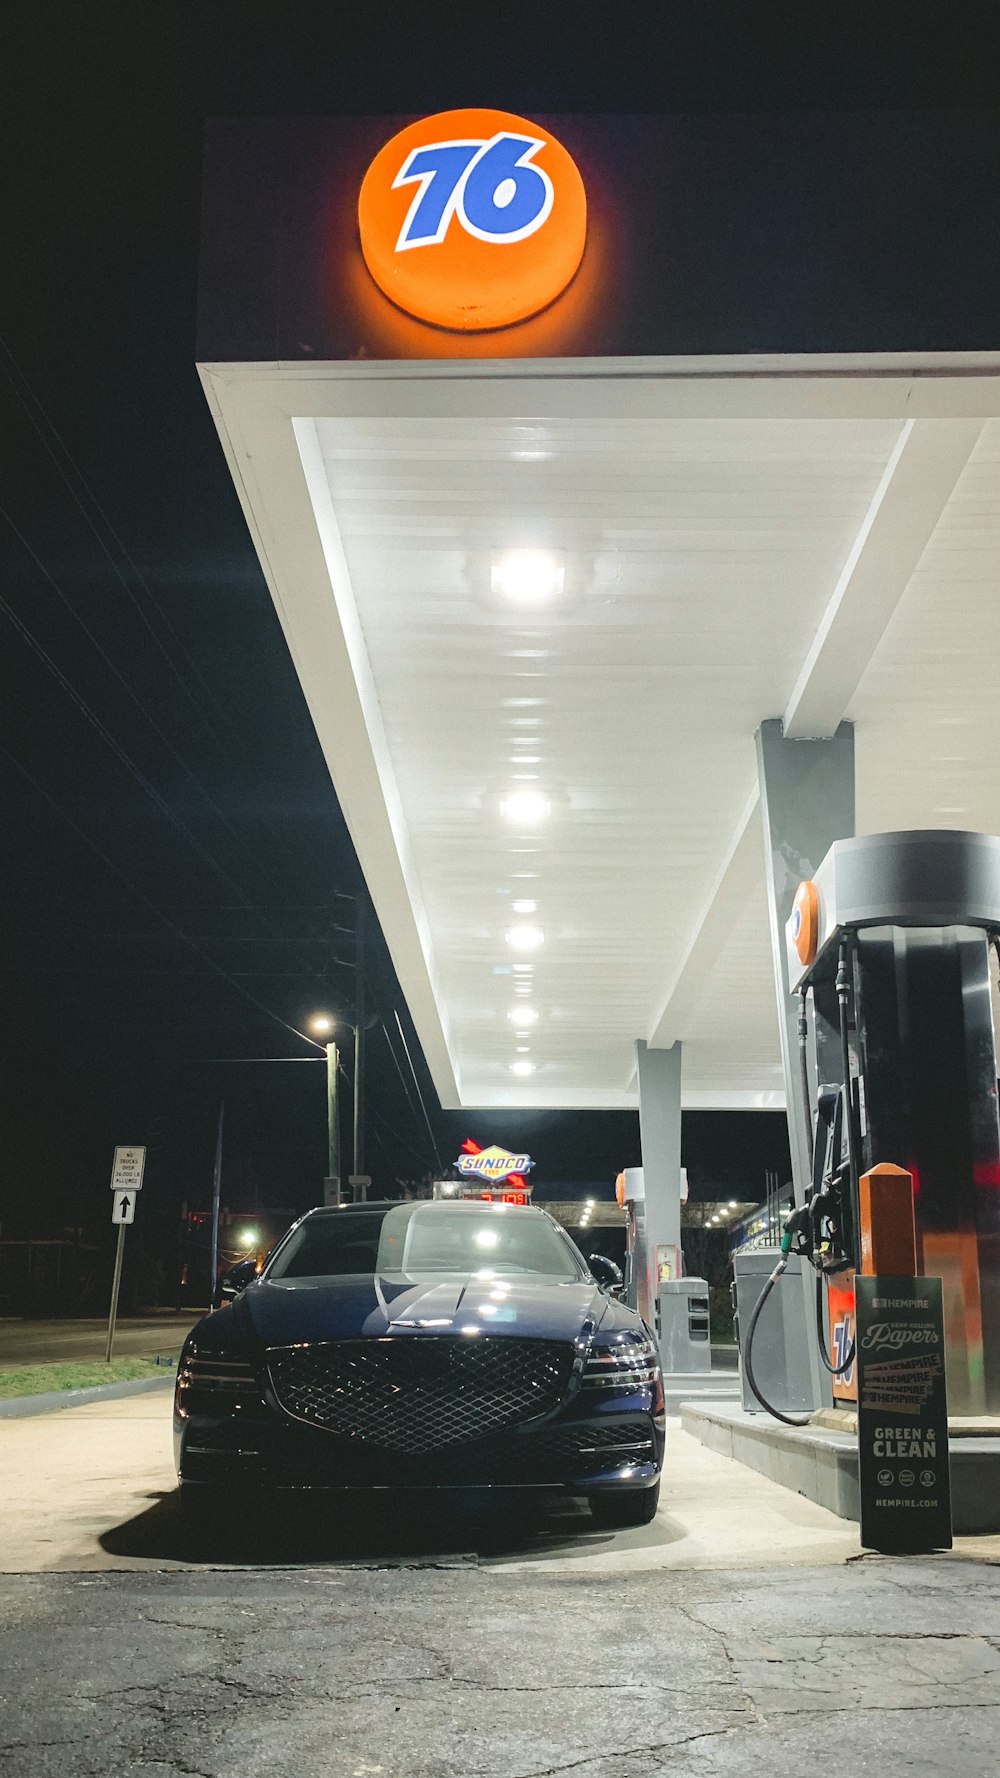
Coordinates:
(19, 1407)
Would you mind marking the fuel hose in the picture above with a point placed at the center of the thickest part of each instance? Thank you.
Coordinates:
(787, 1419)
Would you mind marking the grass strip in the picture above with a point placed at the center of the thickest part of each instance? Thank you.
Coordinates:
(45, 1379)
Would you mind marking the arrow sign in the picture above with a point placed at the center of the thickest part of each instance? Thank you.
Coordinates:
(124, 1207)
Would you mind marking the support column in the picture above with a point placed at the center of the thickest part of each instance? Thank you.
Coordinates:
(806, 802)
(660, 1136)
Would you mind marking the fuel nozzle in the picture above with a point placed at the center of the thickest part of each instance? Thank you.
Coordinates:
(798, 1228)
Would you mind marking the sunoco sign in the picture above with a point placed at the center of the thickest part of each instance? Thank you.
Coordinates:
(493, 1164)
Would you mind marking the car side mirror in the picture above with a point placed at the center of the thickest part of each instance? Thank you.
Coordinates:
(608, 1275)
(237, 1278)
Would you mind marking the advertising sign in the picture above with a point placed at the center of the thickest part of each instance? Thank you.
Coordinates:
(472, 219)
(840, 1305)
(904, 1476)
(493, 1164)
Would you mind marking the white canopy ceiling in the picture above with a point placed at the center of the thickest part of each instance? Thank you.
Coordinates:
(740, 539)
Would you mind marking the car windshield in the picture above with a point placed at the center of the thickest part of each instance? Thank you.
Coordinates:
(417, 1239)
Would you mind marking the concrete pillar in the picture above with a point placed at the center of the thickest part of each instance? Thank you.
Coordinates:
(806, 802)
(660, 1135)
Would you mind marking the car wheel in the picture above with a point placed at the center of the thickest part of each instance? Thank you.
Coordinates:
(636, 1507)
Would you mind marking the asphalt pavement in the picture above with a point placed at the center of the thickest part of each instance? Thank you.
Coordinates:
(465, 1671)
(65, 1342)
(742, 1632)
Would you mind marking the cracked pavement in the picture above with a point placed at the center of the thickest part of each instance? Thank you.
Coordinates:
(741, 1631)
(490, 1672)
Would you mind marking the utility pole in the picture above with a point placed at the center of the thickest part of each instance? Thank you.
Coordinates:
(216, 1197)
(331, 1185)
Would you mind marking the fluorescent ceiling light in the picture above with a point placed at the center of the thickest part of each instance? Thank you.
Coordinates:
(525, 938)
(522, 1068)
(525, 808)
(528, 576)
(525, 907)
(523, 1015)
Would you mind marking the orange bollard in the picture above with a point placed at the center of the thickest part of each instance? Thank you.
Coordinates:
(888, 1227)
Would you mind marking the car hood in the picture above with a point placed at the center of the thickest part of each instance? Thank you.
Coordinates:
(291, 1310)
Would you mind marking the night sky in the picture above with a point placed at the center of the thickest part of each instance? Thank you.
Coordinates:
(175, 863)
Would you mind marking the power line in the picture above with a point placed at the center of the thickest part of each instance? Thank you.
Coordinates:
(402, 1080)
(121, 752)
(399, 1071)
(150, 903)
(420, 1095)
(137, 701)
(33, 407)
(116, 747)
(15, 377)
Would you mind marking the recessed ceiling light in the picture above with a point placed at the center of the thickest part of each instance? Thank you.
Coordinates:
(525, 938)
(523, 1015)
(525, 907)
(528, 576)
(732, 1201)
(525, 808)
(522, 1068)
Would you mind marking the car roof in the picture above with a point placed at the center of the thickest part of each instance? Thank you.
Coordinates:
(461, 1204)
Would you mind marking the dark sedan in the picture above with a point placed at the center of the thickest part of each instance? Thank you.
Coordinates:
(422, 1345)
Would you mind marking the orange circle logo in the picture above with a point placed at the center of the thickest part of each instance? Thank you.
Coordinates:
(472, 219)
(805, 922)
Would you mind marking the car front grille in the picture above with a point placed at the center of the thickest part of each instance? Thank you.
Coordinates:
(416, 1393)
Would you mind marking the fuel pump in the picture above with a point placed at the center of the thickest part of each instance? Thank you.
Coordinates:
(888, 949)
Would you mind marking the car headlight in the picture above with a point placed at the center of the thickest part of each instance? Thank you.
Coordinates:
(629, 1361)
(214, 1381)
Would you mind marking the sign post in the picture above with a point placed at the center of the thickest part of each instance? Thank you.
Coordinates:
(904, 1475)
(126, 1183)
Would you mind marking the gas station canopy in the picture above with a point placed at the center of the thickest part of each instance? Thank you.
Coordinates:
(540, 596)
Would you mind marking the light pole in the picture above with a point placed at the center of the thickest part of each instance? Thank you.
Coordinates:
(323, 1025)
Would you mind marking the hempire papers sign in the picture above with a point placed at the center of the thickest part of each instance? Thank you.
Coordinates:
(902, 1415)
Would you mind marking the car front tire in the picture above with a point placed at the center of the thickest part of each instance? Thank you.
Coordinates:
(613, 1512)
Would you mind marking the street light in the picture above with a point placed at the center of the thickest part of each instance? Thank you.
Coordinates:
(323, 1025)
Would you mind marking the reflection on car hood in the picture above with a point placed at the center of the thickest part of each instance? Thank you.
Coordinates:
(290, 1310)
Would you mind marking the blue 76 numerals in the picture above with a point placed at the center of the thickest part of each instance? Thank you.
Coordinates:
(490, 187)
